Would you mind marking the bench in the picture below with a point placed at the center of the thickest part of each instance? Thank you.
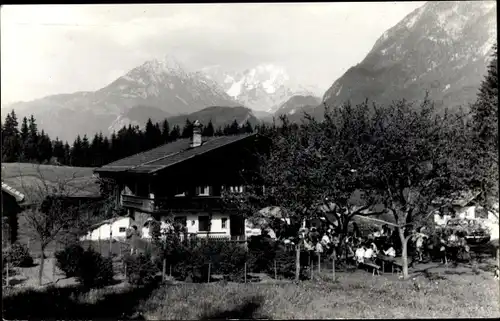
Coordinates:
(375, 267)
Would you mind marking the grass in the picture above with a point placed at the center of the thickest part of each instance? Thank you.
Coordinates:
(434, 292)
(355, 295)
(49, 172)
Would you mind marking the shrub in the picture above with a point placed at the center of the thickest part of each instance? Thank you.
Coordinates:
(140, 269)
(262, 253)
(68, 259)
(94, 270)
(192, 259)
(18, 255)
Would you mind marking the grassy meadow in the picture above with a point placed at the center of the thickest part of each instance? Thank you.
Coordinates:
(432, 293)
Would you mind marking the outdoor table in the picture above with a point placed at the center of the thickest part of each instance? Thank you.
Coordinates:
(386, 258)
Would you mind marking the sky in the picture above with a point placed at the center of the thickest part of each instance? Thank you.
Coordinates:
(54, 49)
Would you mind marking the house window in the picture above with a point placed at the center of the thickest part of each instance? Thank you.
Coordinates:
(182, 220)
(203, 191)
(203, 223)
(235, 189)
(180, 194)
(224, 222)
(122, 229)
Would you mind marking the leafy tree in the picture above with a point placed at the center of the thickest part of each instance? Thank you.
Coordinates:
(287, 182)
(208, 131)
(413, 158)
(50, 217)
(484, 125)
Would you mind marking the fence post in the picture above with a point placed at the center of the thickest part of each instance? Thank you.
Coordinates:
(7, 276)
(170, 270)
(164, 269)
(245, 270)
(275, 271)
(54, 264)
(28, 243)
(311, 264)
(209, 266)
(333, 265)
(110, 244)
(319, 262)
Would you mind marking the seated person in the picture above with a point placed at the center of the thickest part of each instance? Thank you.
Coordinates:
(374, 248)
(360, 254)
(369, 254)
(390, 251)
(325, 240)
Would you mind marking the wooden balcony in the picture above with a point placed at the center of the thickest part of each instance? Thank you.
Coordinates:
(195, 203)
(142, 204)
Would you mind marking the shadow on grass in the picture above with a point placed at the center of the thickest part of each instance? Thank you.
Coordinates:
(248, 310)
(67, 303)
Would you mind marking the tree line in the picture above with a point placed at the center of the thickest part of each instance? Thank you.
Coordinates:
(25, 143)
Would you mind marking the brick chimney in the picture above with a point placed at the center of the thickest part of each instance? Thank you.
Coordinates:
(196, 140)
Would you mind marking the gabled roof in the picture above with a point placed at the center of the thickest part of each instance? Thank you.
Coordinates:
(461, 199)
(167, 155)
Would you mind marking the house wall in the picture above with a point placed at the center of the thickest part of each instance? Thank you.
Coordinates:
(469, 212)
(103, 232)
(193, 224)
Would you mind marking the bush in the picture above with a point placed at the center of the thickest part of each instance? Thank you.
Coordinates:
(140, 269)
(94, 270)
(68, 259)
(192, 259)
(18, 255)
(262, 253)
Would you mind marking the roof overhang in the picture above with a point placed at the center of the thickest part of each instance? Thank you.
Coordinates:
(13, 192)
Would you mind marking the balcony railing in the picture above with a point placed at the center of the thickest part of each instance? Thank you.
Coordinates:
(197, 203)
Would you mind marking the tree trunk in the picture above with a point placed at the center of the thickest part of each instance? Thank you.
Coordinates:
(297, 262)
(404, 252)
(42, 262)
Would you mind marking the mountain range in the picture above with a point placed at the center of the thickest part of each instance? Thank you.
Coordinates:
(264, 87)
(441, 47)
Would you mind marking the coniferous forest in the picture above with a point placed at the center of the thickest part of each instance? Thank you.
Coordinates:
(23, 142)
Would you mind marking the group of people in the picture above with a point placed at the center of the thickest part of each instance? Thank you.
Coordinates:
(353, 246)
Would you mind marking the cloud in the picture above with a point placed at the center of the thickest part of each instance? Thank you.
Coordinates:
(65, 48)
